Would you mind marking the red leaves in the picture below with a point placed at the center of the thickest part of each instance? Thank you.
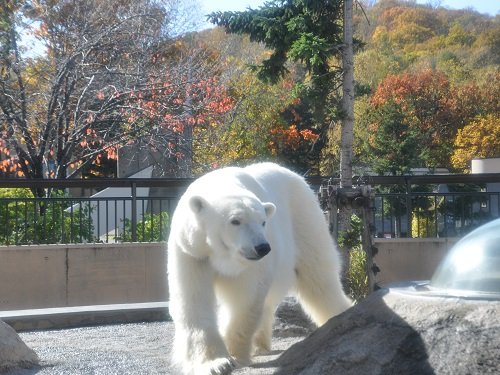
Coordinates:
(423, 85)
(291, 138)
(172, 105)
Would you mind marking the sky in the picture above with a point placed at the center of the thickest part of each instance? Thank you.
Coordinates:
(491, 7)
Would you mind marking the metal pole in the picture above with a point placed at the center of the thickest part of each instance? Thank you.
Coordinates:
(134, 212)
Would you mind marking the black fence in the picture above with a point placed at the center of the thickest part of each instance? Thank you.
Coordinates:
(139, 210)
(433, 205)
(87, 211)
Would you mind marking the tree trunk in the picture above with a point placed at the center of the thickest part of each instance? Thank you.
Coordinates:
(347, 134)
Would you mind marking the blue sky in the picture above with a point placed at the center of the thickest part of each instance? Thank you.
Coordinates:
(491, 7)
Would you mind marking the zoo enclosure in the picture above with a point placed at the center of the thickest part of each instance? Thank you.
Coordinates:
(139, 210)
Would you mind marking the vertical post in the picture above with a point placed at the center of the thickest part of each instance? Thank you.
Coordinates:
(367, 195)
(134, 212)
(408, 208)
(333, 211)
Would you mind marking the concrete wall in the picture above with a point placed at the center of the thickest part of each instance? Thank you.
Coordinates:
(77, 275)
(403, 259)
(44, 276)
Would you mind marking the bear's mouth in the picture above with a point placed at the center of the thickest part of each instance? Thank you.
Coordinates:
(250, 254)
(253, 257)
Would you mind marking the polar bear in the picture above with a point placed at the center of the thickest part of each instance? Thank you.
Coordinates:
(241, 239)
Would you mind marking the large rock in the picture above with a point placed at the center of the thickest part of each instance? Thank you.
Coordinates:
(291, 321)
(397, 333)
(13, 351)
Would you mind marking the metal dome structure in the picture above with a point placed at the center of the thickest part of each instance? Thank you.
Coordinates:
(472, 266)
(471, 269)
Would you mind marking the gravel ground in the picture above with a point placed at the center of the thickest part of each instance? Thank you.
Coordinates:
(121, 349)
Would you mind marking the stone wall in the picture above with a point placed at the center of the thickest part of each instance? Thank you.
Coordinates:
(77, 275)
(402, 259)
(33, 277)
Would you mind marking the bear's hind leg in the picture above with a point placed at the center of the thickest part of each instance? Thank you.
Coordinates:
(320, 291)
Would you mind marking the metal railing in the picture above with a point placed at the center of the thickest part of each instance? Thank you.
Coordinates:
(420, 214)
(433, 205)
(115, 210)
(141, 209)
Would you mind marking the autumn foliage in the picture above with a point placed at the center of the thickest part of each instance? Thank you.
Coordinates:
(478, 139)
(112, 76)
(434, 110)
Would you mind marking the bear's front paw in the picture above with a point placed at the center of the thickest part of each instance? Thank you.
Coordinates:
(218, 366)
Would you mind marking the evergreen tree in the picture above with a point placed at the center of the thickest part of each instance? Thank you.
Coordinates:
(301, 31)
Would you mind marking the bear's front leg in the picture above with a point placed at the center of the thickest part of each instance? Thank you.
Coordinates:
(198, 347)
(201, 353)
(242, 315)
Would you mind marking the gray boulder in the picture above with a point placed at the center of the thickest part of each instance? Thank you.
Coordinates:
(291, 321)
(13, 351)
(399, 333)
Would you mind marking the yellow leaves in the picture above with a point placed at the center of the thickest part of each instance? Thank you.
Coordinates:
(379, 34)
(478, 139)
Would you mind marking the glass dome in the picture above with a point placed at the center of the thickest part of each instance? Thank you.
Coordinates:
(472, 266)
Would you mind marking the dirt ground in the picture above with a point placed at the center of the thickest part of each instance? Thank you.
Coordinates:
(122, 349)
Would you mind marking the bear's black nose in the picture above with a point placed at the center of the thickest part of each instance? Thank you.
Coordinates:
(262, 249)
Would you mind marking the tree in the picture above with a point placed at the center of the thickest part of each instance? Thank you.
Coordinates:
(478, 139)
(113, 73)
(427, 98)
(249, 133)
(434, 108)
(269, 122)
(245, 135)
(394, 142)
(299, 31)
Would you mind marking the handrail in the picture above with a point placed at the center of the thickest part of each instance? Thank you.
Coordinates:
(314, 180)
(393, 212)
(94, 183)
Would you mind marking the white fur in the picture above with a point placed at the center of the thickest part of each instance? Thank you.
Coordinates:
(222, 302)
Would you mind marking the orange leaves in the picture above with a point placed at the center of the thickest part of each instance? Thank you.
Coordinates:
(291, 138)
(5, 165)
(75, 164)
(308, 135)
(98, 159)
(112, 153)
(426, 84)
(11, 167)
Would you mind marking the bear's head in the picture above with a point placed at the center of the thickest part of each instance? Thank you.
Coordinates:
(235, 229)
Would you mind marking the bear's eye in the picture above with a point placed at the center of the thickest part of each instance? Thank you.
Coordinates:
(263, 223)
(235, 222)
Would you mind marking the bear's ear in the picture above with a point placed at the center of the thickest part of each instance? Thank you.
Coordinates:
(270, 209)
(197, 204)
